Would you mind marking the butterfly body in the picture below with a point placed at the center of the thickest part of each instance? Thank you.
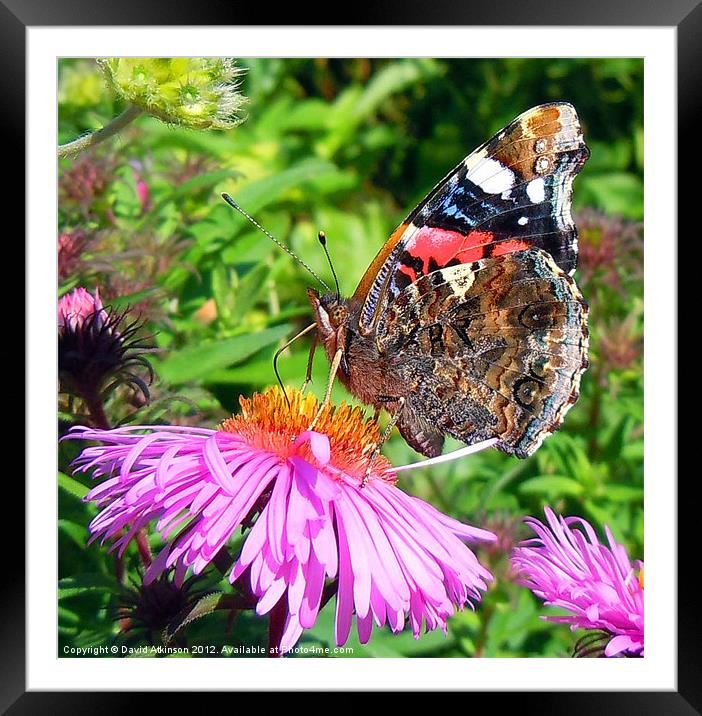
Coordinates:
(468, 322)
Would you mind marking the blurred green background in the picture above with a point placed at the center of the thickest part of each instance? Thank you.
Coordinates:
(348, 146)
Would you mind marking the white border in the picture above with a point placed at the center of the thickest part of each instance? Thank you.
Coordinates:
(657, 670)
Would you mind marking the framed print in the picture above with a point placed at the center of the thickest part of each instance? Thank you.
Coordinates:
(317, 402)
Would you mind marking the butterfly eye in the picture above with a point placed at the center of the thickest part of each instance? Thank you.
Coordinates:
(526, 392)
(337, 315)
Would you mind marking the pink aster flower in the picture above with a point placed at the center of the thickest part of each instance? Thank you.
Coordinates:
(98, 349)
(389, 557)
(566, 566)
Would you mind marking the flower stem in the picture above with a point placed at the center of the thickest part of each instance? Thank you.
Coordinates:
(100, 135)
(144, 548)
(481, 641)
(119, 569)
(97, 411)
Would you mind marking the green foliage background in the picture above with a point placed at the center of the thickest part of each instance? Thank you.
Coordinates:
(349, 146)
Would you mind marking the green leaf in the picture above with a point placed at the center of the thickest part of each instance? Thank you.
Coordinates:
(170, 138)
(82, 583)
(310, 115)
(616, 193)
(639, 147)
(125, 198)
(601, 515)
(196, 362)
(201, 181)
(552, 485)
(354, 106)
(68, 618)
(204, 606)
(258, 194)
(129, 299)
(72, 486)
(78, 533)
(608, 156)
(509, 625)
(624, 493)
(248, 290)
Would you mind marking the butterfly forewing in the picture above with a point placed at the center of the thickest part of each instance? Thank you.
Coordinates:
(510, 194)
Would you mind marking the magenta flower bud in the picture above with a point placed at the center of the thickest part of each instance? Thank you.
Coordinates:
(80, 308)
(143, 192)
(97, 348)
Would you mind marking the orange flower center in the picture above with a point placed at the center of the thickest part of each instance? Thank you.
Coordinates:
(267, 422)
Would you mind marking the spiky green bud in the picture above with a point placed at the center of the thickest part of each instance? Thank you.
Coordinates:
(199, 93)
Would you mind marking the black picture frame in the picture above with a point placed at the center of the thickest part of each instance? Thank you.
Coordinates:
(685, 15)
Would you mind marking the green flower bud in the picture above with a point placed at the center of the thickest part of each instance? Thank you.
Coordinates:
(199, 93)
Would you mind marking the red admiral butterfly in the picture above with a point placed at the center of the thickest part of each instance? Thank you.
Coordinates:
(468, 322)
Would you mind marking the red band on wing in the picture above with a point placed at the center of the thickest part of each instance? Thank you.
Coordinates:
(444, 246)
(440, 246)
(509, 247)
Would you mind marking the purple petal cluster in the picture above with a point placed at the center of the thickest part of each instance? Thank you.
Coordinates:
(566, 566)
(390, 556)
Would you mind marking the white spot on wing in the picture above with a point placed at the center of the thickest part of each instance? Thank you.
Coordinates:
(491, 176)
(536, 190)
(522, 221)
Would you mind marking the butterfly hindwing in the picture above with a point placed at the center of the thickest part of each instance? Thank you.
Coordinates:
(494, 348)
(512, 193)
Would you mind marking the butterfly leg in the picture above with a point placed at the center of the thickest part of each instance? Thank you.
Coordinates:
(383, 439)
(327, 396)
(310, 360)
(281, 349)
(383, 399)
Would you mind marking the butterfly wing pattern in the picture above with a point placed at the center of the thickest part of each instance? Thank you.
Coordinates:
(471, 299)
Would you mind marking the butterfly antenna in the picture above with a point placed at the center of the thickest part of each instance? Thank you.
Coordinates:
(234, 205)
(323, 240)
